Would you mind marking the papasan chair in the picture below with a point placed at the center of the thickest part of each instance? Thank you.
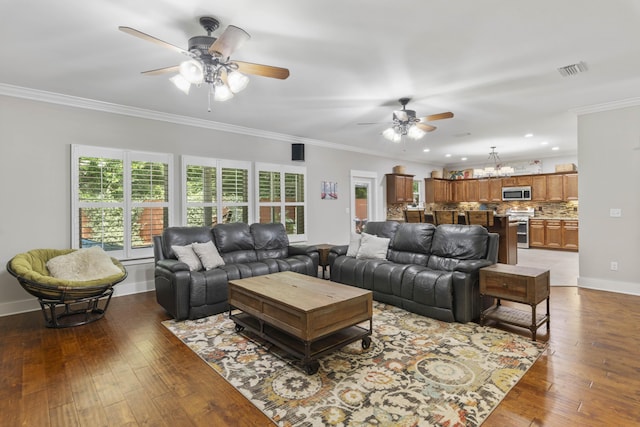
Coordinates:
(66, 302)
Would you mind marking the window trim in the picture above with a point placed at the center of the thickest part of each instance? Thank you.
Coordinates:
(219, 164)
(127, 157)
(282, 170)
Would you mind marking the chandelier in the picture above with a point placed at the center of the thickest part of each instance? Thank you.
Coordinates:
(493, 167)
(404, 124)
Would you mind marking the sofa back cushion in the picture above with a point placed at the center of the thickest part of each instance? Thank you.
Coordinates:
(453, 243)
(235, 242)
(382, 228)
(183, 236)
(412, 243)
(270, 241)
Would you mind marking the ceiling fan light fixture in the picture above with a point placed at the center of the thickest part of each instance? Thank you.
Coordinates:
(221, 91)
(390, 134)
(192, 71)
(415, 132)
(237, 81)
(181, 83)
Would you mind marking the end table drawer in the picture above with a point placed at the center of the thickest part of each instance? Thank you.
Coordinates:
(505, 286)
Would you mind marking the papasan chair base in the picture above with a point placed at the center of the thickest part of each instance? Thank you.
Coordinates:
(64, 303)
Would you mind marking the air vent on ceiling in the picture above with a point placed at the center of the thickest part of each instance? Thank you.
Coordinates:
(573, 69)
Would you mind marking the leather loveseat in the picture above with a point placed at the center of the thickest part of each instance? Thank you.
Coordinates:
(429, 270)
(247, 251)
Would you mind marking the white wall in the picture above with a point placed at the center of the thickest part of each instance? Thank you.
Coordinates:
(35, 139)
(609, 156)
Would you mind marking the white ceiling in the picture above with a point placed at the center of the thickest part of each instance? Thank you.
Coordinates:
(493, 63)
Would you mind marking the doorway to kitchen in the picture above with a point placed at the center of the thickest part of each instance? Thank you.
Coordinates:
(364, 197)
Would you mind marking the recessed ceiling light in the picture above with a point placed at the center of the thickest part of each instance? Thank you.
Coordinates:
(447, 155)
(544, 142)
(463, 159)
(528, 135)
(426, 150)
(555, 148)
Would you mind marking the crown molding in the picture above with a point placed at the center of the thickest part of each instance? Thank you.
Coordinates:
(91, 104)
(606, 106)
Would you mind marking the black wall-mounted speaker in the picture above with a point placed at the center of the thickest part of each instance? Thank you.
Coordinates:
(297, 152)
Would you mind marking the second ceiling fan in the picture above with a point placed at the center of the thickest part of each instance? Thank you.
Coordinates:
(406, 123)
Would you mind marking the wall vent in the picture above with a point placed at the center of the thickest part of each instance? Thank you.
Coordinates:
(573, 69)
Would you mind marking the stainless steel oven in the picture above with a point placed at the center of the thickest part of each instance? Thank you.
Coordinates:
(522, 217)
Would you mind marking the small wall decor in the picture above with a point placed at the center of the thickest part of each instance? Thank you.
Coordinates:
(328, 190)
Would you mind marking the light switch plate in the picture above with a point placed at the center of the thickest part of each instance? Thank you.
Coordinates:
(615, 212)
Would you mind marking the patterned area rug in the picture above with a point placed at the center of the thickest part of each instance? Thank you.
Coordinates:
(417, 371)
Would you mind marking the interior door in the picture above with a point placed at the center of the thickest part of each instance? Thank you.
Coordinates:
(363, 199)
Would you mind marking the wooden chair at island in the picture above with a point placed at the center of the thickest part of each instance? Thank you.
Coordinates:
(484, 218)
(445, 217)
(413, 215)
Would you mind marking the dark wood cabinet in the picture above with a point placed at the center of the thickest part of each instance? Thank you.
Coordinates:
(399, 188)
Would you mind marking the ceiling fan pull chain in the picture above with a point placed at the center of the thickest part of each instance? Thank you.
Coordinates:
(211, 95)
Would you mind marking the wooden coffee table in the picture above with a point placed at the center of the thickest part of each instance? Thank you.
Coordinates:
(303, 315)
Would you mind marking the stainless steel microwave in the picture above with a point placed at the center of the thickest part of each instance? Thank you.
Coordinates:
(516, 193)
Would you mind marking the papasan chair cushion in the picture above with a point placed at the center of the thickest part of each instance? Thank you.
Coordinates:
(30, 268)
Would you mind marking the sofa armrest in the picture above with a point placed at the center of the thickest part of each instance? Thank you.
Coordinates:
(172, 265)
(302, 249)
(472, 265)
(339, 250)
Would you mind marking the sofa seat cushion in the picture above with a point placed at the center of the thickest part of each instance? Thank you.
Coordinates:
(355, 272)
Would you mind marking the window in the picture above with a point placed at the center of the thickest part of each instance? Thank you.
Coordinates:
(120, 199)
(281, 197)
(216, 191)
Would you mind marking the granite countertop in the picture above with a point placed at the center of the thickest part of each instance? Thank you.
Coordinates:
(558, 218)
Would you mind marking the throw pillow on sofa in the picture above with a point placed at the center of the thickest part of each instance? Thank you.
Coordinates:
(188, 256)
(373, 247)
(208, 254)
(354, 244)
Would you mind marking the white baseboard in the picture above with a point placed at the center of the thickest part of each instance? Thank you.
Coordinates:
(31, 304)
(629, 288)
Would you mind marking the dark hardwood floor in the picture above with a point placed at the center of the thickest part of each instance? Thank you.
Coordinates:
(127, 369)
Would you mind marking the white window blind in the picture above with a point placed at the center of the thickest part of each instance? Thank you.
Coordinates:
(120, 199)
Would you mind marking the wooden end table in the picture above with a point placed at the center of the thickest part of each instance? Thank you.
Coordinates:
(323, 252)
(525, 285)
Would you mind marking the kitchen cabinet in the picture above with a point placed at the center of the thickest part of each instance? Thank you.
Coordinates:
(457, 191)
(517, 181)
(570, 186)
(554, 234)
(483, 190)
(437, 190)
(471, 190)
(495, 190)
(539, 188)
(399, 188)
(570, 235)
(536, 233)
(555, 192)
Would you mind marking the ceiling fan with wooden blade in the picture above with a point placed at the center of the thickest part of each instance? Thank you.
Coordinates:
(210, 61)
(405, 122)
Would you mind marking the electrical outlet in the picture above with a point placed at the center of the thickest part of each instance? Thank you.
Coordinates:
(614, 265)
